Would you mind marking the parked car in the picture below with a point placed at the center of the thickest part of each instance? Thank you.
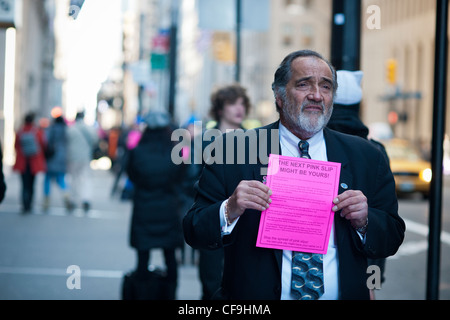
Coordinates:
(411, 172)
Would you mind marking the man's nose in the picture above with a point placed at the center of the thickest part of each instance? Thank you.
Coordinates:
(315, 94)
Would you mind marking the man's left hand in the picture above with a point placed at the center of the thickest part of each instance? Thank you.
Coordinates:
(353, 204)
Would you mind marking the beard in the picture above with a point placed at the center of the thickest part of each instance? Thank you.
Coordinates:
(309, 122)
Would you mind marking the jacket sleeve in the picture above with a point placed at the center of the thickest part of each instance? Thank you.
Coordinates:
(201, 224)
(386, 229)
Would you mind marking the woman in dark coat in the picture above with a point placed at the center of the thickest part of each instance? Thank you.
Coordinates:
(156, 220)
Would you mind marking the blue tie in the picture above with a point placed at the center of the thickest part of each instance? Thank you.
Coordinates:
(307, 268)
(304, 147)
(307, 275)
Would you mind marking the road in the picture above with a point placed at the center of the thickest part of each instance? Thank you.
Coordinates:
(406, 271)
(36, 250)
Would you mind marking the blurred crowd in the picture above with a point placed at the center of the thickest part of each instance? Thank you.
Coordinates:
(60, 150)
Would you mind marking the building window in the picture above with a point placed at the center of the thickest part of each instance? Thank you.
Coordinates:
(307, 35)
(288, 31)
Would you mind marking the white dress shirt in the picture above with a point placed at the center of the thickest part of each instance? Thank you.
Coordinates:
(317, 151)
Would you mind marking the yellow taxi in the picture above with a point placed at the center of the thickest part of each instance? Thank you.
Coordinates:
(411, 172)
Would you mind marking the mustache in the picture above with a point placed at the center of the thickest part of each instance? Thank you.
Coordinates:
(312, 103)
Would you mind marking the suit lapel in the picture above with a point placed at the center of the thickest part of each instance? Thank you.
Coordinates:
(268, 138)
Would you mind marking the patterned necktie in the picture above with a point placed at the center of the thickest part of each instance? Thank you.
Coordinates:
(304, 147)
(307, 268)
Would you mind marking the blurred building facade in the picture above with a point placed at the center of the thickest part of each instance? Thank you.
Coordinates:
(404, 42)
(37, 89)
(207, 56)
(29, 52)
(146, 26)
(206, 59)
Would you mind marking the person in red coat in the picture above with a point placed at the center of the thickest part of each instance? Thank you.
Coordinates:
(30, 158)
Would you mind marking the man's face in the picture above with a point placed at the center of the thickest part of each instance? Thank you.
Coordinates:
(308, 104)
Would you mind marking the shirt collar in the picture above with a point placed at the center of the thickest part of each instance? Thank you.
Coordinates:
(290, 142)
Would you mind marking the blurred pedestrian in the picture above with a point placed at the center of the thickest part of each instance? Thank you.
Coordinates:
(229, 107)
(30, 159)
(346, 119)
(2, 177)
(56, 155)
(81, 141)
(156, 220)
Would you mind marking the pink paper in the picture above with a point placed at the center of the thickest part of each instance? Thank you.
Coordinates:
(300, 216)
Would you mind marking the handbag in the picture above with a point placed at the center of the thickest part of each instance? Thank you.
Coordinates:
(153, 286)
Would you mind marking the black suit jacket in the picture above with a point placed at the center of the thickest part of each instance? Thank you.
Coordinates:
(255, 273)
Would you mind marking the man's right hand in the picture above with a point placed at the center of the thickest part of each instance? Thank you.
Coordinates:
(248, 195)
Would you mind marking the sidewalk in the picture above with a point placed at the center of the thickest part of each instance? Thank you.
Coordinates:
(104, 207)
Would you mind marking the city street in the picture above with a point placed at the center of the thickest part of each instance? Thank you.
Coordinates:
(406, 271)
(37, 249)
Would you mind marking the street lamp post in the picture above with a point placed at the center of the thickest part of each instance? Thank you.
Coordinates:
(440, 87)
(238, 39)
(346, 34)
(173, 57)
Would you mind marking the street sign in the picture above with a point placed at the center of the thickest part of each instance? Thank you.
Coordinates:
(161, 43)
(7, 11)
(159, 61)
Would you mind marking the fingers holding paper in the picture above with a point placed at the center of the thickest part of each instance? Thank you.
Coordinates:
(248, 195)
(353, 206)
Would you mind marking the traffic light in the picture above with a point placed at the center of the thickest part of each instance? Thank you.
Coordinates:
(391, 71)
(392, 117)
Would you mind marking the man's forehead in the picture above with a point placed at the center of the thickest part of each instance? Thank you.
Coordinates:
(311, 66)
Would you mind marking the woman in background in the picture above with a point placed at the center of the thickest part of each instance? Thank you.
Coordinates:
(156, 220)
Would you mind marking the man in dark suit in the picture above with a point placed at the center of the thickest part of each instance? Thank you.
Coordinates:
(231, 194)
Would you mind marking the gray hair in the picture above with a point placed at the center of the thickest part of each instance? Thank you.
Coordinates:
(284, 72)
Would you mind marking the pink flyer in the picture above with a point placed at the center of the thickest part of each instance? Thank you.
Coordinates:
(300, 216)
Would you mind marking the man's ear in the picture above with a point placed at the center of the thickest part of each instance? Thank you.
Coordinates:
(279, 102)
